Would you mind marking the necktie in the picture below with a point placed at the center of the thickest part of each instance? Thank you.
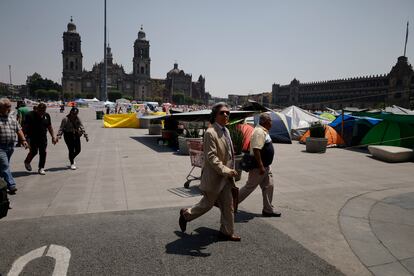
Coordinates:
(230, 144)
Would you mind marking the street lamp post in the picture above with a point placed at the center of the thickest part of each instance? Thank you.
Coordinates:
(105, 87)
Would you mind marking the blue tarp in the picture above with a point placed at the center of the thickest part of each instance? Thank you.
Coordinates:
(279, 131)
(355, 127)
(347, 118)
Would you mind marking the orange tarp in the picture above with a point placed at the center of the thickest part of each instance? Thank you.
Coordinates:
(330, 133)
(247, 131)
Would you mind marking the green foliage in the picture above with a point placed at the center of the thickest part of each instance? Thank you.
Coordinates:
(192, 131)
(53, 95)
(47, 94)
(237, 137)
(66, 96)
(114, 95)
(317, 130)
(157, 99)
(90, 96)
(78, 95)
(178, 98)
(40, 93)
(36, 82)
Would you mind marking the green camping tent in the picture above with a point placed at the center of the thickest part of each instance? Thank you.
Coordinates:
(328, 116)
(391, 133)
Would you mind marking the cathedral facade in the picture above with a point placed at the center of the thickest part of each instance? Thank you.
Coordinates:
(394, 88)
(137, 85)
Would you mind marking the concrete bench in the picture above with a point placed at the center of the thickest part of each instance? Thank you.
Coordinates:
(391, 154)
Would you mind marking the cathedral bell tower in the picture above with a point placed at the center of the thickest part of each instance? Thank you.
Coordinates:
(72, 60)
(142, 61)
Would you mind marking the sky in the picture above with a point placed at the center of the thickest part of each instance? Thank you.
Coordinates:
(239, 46)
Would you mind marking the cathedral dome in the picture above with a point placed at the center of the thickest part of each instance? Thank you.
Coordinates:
(71, 26)
(141, 34)
(175, 70)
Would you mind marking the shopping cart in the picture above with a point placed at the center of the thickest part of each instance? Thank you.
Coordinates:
(195, 148)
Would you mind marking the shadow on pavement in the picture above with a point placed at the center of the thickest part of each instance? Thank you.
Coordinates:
(152, 143)
(243, 216)
(57, 169)
(194, 244)
(22, 173)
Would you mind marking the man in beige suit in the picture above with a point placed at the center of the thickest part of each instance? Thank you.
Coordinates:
(218, 175)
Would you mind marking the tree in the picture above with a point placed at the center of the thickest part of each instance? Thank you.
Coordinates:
(114, 95)
(178, 98)
(157, 99)
(66, 96)
(90, 96)
(53, 95)
(36, 82)
(40, 93)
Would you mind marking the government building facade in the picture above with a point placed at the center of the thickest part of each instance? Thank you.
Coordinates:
(137, 85)
(394, 88)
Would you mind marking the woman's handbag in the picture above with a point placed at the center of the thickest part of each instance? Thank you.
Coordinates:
(248, 162)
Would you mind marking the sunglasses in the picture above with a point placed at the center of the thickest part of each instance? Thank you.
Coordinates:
(224, 112)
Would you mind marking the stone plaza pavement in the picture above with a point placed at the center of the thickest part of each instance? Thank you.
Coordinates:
(352, 211)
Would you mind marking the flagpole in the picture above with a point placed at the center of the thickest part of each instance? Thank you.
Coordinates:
(406, 39)
(105, 63)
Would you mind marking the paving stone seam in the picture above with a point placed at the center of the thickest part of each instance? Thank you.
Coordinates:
(375, 234)
(54, 197)
(388, 222)
(123, 179)
(94, 181)
(340, 226)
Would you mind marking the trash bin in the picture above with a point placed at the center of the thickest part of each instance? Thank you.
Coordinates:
(99, 115)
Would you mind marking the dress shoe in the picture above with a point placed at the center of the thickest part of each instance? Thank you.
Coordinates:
(272, 214)
(232, 237)
(182, 221)
(28, 166)
(12, 190)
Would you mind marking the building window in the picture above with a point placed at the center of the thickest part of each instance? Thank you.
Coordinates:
(142, 69)
(71, 65)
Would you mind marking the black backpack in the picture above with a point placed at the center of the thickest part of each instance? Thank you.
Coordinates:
(4, 200)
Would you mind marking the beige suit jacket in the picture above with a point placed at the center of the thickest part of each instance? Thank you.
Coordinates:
(216, 172)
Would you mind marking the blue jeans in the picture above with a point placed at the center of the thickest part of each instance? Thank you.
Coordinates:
(5, 154)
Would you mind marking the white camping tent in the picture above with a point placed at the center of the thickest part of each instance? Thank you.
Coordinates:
(299, 120)
(398, 110)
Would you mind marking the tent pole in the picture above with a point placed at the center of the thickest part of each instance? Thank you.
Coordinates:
(342, 124)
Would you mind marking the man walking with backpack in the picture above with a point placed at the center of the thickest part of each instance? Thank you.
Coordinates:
(261, 147)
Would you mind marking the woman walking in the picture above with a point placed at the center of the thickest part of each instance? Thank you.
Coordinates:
(72, 129)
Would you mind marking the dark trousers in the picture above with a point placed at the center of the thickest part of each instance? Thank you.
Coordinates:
(74, 145)
(37, 146)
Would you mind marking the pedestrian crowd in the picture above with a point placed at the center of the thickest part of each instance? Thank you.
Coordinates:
(29, 129)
